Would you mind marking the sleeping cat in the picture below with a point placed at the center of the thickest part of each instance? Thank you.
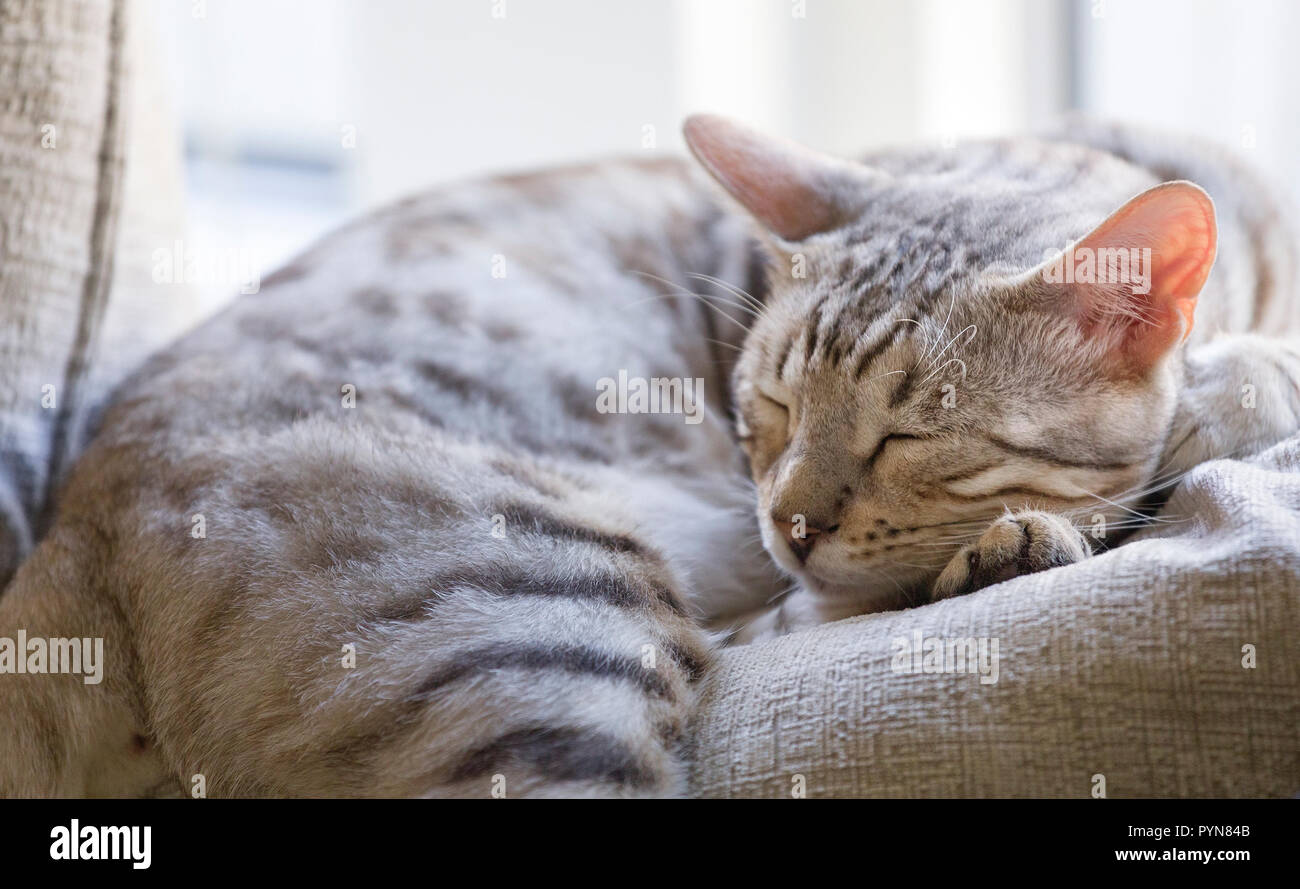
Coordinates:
(369, 533)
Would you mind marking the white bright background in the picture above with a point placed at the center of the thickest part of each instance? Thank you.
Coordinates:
(297, 115)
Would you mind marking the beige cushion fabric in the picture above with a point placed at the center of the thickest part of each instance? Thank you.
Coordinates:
(57, 153)
(141, 314)
(66, 125)
(1128, 665)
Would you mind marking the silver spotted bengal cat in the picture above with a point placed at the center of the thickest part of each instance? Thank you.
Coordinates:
(368, 532)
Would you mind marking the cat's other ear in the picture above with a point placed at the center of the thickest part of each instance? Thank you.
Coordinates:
(1135, 279)
(793, 191)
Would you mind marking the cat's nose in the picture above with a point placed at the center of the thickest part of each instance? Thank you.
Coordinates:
(799, 536)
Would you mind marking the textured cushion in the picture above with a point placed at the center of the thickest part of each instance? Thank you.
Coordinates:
(1128, 665)
(89, 187)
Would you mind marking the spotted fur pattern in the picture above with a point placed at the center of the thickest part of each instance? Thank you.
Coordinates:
(429, 566)
(522, 579)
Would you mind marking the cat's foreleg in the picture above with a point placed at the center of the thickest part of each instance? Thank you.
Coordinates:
(1015, 544)
(1018, 543)
(1240, 395)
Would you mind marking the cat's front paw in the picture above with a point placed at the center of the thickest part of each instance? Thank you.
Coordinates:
(1018, 543)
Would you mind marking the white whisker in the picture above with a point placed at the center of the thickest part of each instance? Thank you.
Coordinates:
(682, 291)
(939, 337)
(753, 301)
(889, 374)
(940, 368)
(724, 344)
(971, 327)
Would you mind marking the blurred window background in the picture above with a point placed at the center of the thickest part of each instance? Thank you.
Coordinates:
(297, 115)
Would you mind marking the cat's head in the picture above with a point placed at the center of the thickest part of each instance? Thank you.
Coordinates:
(912, 376)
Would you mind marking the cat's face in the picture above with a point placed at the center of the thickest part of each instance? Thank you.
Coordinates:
(893, 442)
(887, 425)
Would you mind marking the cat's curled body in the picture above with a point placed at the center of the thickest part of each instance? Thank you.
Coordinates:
(393, 453)
(367, 533)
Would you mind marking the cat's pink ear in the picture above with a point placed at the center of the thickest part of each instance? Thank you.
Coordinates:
(793, 191)
(1135, 278)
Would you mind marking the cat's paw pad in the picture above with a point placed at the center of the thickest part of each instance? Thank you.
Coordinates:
(1016, 544)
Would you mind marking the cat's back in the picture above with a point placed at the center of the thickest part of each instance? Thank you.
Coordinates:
(486, 309)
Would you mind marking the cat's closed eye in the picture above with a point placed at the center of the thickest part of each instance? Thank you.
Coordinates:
(774, 413)
(896, 440)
